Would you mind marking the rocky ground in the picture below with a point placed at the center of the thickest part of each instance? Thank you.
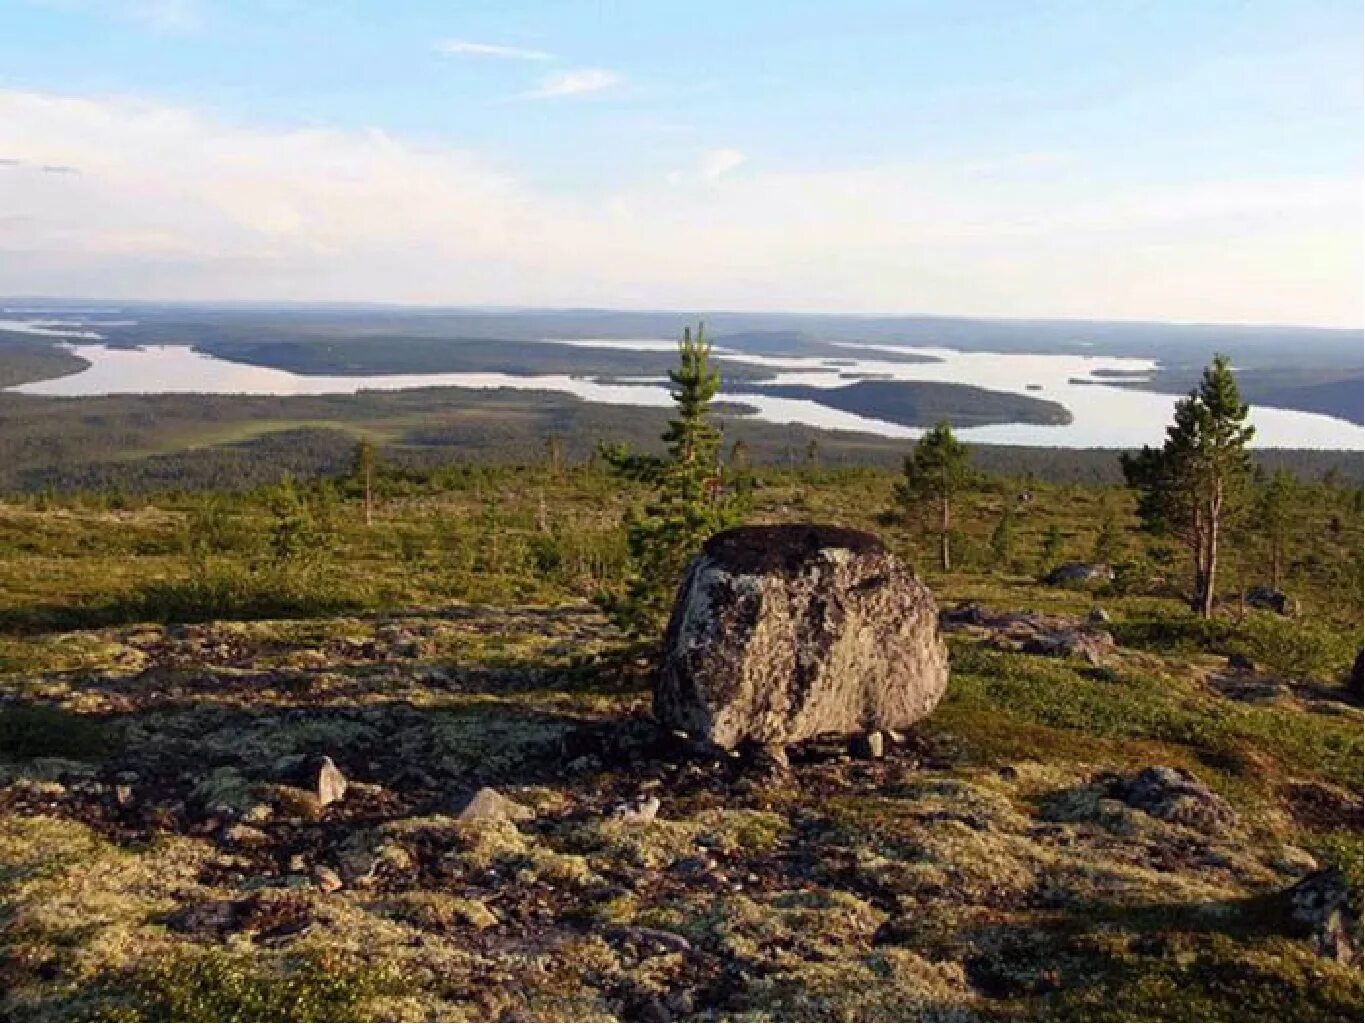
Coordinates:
(272, 820)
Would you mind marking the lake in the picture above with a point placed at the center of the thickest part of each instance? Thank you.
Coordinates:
(1104, 415)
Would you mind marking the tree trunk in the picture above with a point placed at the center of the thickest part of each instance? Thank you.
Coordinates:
(945, 555)
(1210, 570)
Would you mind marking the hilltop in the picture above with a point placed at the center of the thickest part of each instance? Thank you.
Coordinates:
(1032, 849)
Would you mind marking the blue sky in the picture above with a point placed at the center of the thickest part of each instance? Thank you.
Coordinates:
(1183, 159)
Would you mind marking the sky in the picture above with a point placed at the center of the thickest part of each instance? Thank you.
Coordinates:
(1185, 160)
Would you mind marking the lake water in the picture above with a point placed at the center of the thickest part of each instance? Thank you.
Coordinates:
(1103, 415)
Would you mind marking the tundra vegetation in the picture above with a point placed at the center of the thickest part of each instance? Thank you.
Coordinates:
(1103, 828)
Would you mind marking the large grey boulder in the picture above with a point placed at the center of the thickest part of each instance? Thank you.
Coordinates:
(781, 633)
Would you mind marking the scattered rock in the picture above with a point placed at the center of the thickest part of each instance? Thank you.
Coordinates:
(1175, 795)
(244, 835)
(210, 916)
(640, 811)
(326, 879)
(1079, 573)
(330, 783)
(1325, 904)
(658, 938)
(1270, 599)
(871, 746)
(781, 633)
(1094, 646)
(490, 805)
(1294, 860)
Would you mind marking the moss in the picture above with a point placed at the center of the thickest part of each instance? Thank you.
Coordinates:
(243, 985)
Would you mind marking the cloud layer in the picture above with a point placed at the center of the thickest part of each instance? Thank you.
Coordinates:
(574, 82)
(169, 203)
(467, 48)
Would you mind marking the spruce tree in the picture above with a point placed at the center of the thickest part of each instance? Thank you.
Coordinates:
(935, 471)
(1191, 486)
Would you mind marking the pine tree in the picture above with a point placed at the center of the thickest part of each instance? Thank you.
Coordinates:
(1274, 520)
(1109, 540)
(935, 471)
(689, 505)
(1053, 543)
(1002, 537)
(363, 470)
(1193, 484)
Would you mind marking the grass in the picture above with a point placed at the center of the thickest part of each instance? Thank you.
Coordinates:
(980, 872)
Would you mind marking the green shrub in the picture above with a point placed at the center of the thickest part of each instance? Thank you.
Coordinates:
(1297, 648)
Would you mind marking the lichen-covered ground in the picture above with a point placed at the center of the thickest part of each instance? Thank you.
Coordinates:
(159, 861)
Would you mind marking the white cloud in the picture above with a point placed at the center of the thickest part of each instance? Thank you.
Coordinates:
(466, 48)
(574, 82)
(173, 204)
(716, 163)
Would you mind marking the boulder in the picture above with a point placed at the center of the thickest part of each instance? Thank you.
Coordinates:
(1175, 795)
(1094, 646)
(782, 633)
(1272, 600)
(1326, 905)
(490, 805)
(1079, 573)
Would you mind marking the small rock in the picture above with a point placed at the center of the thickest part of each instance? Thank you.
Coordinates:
(331, 784)
(212, 916)
(490, 805)
(1294, 860)
(638, 812)
(244, 835)
(1098, 616)
(1079, 573)
(326, 879)
(123, 796)
(872, 746)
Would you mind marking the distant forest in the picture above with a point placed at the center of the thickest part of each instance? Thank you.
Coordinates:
(197, 442)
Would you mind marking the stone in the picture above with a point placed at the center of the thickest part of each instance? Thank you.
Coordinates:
(331, 784)
(1098, 616)
(1175, 795)
(490, 805)
(1324, 904)
(782, 633)
(244, 835)
(326, 879)
(1270, 599)
(1079, 573)
(871, 746)
(1093, 646)
(638, 812)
